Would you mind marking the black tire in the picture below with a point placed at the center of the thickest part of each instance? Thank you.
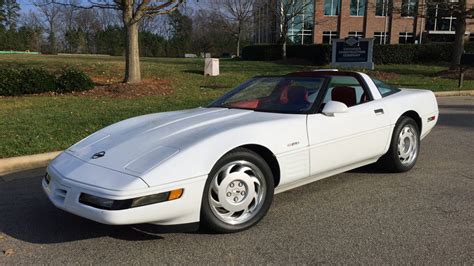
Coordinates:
(209, 220)
(391, 161)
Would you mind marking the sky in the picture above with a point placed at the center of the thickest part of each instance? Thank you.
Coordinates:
(26, 5)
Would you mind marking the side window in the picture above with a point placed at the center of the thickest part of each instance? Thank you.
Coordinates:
(346, 89)
(384, 89)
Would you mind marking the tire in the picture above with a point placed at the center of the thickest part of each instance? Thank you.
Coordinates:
(238, 192)
(404, 147)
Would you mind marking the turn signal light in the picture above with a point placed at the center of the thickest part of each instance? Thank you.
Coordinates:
(175, 194)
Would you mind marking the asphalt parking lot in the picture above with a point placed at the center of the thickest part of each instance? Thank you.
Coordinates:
(363, 216)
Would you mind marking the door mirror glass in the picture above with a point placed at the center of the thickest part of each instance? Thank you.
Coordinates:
(333, 107)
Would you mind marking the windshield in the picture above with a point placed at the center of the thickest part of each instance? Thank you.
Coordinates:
(273, 94)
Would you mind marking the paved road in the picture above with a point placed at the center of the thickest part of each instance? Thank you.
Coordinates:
(424, 216)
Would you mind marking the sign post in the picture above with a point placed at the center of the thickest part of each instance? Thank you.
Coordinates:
(353, 52)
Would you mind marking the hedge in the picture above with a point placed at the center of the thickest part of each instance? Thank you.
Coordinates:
(15, 82)
(320, 54)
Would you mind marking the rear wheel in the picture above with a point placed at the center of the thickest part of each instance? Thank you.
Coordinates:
(238, 192)
(404, 146)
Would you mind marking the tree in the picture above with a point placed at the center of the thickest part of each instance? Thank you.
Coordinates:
(9, 13)
(181, 28)
(50, 14)
(237, 15)
(286, 12)
(132, 11)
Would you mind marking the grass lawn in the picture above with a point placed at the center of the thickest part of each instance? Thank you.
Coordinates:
(34, 124)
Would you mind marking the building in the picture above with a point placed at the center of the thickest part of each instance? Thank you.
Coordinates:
(387, 21)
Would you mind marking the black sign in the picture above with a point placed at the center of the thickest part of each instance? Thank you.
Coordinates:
(352, 50)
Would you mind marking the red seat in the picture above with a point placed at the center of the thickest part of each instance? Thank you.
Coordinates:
(346, 95)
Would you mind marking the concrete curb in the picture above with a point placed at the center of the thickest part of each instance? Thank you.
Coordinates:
(21, 163)
(454, 93)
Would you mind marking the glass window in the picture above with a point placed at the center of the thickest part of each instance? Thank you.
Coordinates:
(328, 36)
(273, 94)
(384, 89)
(357, 34)
(346, 89)
(332, 7)
(358, 7)
(382, 7)
(409, 8)
(381, 37)
(406, 37)
(300, 28)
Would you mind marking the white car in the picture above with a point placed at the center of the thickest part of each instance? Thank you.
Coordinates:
(222, 164)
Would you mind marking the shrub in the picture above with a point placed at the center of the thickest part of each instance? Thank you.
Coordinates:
(36, 80)
(10, 82)
(74, 80)
(320, 54)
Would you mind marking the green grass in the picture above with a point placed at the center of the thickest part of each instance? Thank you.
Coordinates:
(34, 124)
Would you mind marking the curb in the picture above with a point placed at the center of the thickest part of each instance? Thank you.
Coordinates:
(454, 93)
(21, 163)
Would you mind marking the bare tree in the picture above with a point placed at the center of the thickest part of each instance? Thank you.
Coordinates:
(133, 12)
(50, 14)
(236, 14)
(286, 12)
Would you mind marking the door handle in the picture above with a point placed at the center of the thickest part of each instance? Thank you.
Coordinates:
(379, 111)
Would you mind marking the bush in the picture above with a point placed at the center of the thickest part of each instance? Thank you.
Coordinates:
(36, 80)
(74, 80)
(10, 82)
(320, 54)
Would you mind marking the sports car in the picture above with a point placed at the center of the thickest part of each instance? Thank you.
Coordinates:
(221, 165)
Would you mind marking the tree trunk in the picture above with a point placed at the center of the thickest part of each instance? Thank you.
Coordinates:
(132, 55)
(458, 48)
(283, 50)
(238, 47)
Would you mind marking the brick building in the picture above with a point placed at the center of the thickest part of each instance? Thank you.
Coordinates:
(325, 20)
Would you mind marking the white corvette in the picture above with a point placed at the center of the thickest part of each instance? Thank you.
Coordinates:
(222, 164)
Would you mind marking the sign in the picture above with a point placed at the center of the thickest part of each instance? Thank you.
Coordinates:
(353, 52)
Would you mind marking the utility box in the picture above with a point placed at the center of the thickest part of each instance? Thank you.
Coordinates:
(211, 67)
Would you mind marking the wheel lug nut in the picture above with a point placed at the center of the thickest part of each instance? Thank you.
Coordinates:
(228, 194)
(231, 184)
(242, 193)
(236, 199)
(240, 184)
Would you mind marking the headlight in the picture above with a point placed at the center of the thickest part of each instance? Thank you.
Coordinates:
(109, 204)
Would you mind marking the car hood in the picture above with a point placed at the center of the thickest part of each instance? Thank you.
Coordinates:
(139, 144)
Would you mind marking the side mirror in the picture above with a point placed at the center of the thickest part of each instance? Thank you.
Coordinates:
(333, 107)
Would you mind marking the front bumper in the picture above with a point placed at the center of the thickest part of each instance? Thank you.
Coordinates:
(64, 193)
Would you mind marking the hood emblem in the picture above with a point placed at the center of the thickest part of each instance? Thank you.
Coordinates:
(98, 155)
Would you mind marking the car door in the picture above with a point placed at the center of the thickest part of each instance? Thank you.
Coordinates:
(347, 139)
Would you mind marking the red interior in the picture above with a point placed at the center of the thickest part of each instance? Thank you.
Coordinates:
(346, 95)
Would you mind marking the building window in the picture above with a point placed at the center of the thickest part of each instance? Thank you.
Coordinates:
(382, 7)
(358, 7)
(300, 28)
(357, 34)
(405, 37)
(381, 37)
(440, 18)
(409, 8)
(328, 36)
(332, 7)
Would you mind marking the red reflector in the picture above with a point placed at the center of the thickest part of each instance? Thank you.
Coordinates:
(431, 118)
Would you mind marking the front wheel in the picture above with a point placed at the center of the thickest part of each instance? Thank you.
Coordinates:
(404, 146)
(238, 192)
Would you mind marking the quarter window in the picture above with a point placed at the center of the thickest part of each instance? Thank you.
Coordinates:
(346, 89)
(384, 89)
